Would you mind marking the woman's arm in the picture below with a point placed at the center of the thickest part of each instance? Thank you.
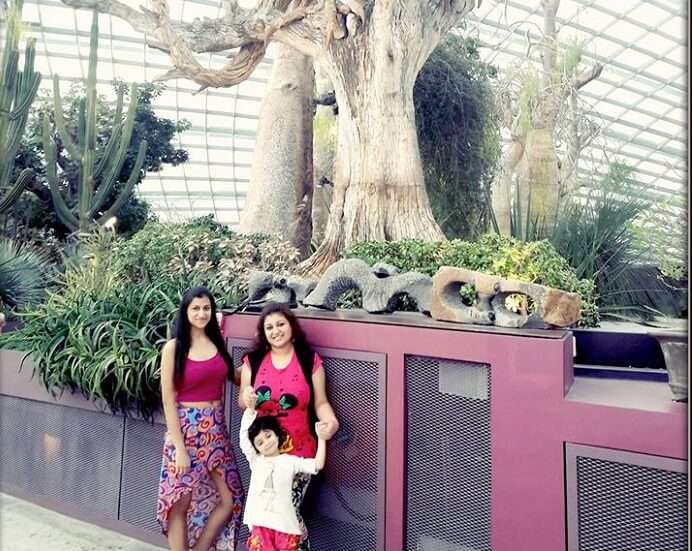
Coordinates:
(170, 409)
(323, 409)
(237, 374)
(246, 393)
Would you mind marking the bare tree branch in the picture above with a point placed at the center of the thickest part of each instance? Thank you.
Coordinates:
(306, 25)
(586, 76)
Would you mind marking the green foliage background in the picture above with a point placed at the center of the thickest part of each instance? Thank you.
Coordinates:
(534, 262)
(458, 134)
(35, 209)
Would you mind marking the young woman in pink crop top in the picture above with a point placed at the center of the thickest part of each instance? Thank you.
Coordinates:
(200, 491)
(285, 378)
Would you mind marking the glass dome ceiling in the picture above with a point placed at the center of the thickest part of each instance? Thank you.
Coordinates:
(639, 101)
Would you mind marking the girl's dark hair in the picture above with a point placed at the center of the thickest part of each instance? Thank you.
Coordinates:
(304, 352)
(181, 333)
(266, 422)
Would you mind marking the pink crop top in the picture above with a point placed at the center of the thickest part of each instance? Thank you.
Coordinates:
(203, 380)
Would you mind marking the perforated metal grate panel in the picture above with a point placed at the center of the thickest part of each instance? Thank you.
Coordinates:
(448, 455)
(342, 510)
(42, 443)
(233, 417)
(630, 507)
(143, 445)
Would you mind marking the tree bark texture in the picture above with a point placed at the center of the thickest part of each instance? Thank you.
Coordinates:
(323, 153)
(281, 178)
(379, 189)
(372, 50)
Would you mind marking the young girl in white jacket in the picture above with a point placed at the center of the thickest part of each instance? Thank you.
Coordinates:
(269, 511)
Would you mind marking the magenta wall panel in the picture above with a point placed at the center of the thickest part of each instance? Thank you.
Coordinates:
(536, 406)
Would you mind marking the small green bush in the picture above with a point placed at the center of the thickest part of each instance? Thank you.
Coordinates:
(534, 262)
(216, 256)
(24, 275)
(105, 347)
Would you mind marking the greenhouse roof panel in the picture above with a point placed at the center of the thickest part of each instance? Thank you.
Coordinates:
(639, 101)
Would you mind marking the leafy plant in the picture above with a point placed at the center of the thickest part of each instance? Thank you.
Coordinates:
(458, 131)
(105, 347)
(24, 275)
(535, 262)
(601, 237)
(213, 253)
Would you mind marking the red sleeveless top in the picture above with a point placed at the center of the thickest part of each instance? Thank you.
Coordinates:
(203, 380)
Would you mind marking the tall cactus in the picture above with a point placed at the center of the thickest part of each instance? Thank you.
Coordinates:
(97, 173)
(17, 92)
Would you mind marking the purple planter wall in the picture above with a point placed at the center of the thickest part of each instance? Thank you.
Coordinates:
(536, 407)
(453, 438)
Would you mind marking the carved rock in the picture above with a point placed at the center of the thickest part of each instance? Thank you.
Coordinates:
(553, 307)
(381, 286)
(264, 287)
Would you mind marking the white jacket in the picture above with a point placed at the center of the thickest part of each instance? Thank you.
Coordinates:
(269, 500)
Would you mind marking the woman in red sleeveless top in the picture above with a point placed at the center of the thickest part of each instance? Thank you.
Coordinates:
(286, 378)
(200, 491)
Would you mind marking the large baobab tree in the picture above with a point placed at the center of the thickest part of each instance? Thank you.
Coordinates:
(371, 51)
(278, 199)
(538, 105)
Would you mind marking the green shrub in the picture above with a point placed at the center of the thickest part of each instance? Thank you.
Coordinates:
(534, 262)
(105, 347)
(101, 332)
(214, 254)
(24, 275)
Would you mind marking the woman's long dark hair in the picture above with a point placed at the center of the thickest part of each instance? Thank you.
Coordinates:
(181, 333)
(304, 352)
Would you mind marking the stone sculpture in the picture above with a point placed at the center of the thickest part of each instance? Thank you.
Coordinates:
(264, 287)
(552, 306)
(380, 285)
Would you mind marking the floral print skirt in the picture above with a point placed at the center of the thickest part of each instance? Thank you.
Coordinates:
(206, 438)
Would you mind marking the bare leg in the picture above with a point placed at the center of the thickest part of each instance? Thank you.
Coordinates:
(177, 523)
(219, 516)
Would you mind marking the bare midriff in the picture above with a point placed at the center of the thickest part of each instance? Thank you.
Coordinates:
(211, 404)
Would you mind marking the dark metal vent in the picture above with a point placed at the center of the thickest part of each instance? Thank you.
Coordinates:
(630, 507)
(143, 446)
(448, 455)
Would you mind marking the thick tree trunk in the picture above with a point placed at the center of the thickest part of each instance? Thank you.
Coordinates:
(379, 192)
(542, 177)
(278, 200)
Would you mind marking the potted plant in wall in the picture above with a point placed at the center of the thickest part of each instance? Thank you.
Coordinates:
(672, 335)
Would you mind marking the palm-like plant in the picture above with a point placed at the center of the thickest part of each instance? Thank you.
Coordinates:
(24, 274)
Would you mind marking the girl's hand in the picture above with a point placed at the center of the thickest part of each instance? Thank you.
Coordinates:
(326, 429)
(249, 397)
(182, 461)
(321, 431)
